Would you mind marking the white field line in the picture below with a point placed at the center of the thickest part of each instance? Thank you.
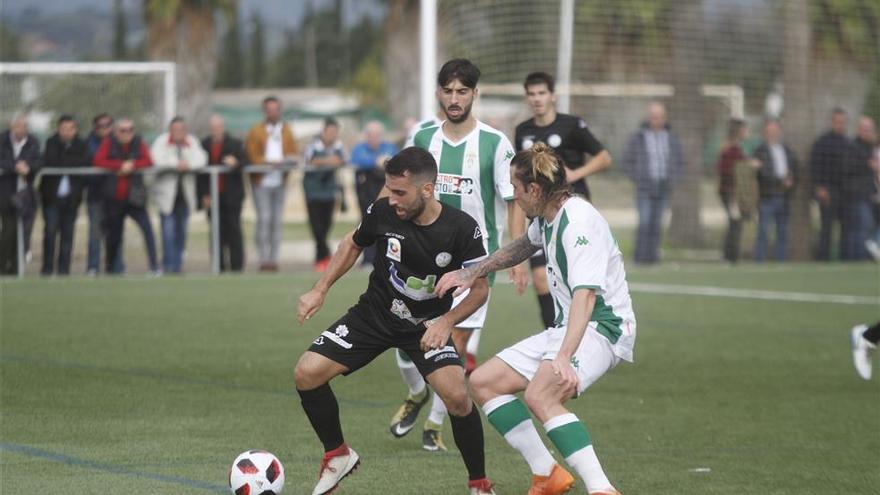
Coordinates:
(764, 295)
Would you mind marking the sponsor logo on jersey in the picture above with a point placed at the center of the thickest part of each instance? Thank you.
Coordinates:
(458, 185)
(443, 259)
(399, 309)
(393, 250)
(581, 241)
(414, 288)
(554, 140)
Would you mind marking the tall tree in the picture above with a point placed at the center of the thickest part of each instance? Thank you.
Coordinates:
(183, 31)
(119, 51)
(798, 117)
(230, 71)
(686, 114)
(8, 45)
(257, 67)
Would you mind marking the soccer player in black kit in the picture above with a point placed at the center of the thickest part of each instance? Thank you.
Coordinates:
(417, 239)
(571, 139)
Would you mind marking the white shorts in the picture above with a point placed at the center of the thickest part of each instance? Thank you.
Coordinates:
(593, 358)
(478, 318)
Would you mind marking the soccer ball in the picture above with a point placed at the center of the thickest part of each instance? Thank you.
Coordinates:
(256, 472)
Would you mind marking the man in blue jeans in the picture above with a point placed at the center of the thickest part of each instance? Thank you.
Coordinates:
(101, 126)
(653, 160)
(776, 178)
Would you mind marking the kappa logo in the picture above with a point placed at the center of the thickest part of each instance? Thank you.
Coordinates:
(477, 232)
(509, 154)
(575, 363)
(394, 249)
(581, 241)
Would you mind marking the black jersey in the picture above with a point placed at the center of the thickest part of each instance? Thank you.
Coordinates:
(568, 135)
(411, 258)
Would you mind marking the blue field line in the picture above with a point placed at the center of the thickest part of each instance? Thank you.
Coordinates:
(183, 379)
(110, 468)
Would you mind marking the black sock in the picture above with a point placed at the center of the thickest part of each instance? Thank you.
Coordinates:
(548, 313)
(323, 412)
(468, 434)
(872, 334)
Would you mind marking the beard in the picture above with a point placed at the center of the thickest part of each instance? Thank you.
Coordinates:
(465, 113)
(415, 210)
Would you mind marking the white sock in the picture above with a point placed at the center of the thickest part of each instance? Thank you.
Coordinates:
(571, 438)
(411, 376)
(474, 342)
(438, 410)
(511, 418)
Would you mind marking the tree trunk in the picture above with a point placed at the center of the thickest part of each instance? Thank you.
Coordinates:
(686, 118)
(401, 62)
(798, 120)
(188, 39)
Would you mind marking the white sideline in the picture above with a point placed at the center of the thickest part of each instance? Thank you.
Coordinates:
(764, 295)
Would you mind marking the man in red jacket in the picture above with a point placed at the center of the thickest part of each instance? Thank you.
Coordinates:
(125, 194)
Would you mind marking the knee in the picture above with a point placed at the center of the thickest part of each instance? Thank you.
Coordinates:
(458, 403)
(480, 384)
(304, 376)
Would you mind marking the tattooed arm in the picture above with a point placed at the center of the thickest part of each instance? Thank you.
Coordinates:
(510, 255)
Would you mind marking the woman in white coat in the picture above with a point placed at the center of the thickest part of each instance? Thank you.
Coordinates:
(175, 193)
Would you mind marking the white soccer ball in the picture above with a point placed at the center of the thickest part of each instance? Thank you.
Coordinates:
(256, 472)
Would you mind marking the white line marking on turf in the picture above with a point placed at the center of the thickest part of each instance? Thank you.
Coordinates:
(764, 295)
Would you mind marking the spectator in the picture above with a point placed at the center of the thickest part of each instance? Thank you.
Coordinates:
(873, 242)
(61, 194)
(731, 156)
(19, 157)
(857, 188)
(828, 162)
(323, 155)
(124, 152)
(777, 170)
(369, 157)
(270, 142)
(101, 126)
(225, 150)
(175, 193)
(653, 160)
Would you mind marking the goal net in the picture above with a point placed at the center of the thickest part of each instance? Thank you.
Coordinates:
(143, 91)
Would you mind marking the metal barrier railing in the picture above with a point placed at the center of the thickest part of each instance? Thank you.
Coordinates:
(213, 171)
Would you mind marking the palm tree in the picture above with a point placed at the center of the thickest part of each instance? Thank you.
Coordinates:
(183, 31)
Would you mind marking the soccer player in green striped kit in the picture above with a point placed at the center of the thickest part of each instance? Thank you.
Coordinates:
(595, 327)
(474, 176)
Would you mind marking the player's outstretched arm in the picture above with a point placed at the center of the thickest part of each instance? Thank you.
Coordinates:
(438, 332)
(341, 262)
(512, 254)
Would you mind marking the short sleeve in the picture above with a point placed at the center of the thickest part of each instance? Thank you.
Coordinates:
(366, 233)
(584, 139)
(471, 245)
(503, 155)
(587, 256)
(534, 232)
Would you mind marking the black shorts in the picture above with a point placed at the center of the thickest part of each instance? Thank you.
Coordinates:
(537, 260)
(357, 338)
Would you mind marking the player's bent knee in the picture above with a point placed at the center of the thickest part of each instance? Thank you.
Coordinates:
(305, 375)
(459, 404)
(480, 383)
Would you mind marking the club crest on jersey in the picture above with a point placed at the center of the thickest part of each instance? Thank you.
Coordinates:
(454, 184)
(554, 140)
(393, 251)
(443, 259)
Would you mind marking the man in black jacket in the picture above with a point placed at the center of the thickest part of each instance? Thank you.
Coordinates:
(828, 162)
(857, 187)
(225, 150)
(61, 194)
(19, 157)
(776, 179)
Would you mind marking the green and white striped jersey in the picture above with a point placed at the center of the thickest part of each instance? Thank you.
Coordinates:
(474, 176)
(582, 253)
